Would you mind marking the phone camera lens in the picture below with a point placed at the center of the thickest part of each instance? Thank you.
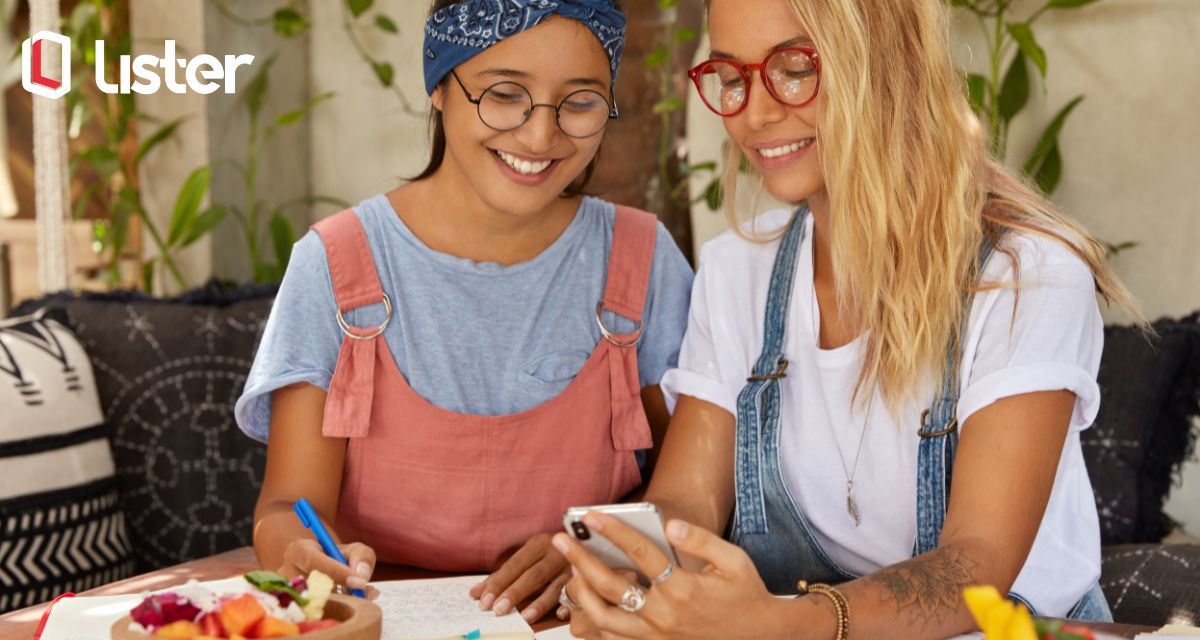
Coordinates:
(581, 531)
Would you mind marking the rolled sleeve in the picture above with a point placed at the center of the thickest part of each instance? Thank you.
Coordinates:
(1046, 335)
(300, 342)
(699, 373)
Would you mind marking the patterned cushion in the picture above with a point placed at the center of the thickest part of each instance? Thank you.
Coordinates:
(1152, 584)
(1144, 430)
(60, 529)
(169, 372)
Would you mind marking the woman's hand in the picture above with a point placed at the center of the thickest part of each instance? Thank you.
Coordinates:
(536, 569)
(727, 599)
(304, 554)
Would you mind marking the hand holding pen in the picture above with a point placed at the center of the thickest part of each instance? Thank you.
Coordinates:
(350, 565)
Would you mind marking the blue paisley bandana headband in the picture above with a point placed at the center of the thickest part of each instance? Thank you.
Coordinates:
(463, 30)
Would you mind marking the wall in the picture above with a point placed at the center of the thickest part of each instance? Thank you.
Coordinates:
(364, 141)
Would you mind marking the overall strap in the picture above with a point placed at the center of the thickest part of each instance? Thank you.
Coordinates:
(355, 281)
(629, 263)
(355, 284)
(634, 236)
(759, 400)
(939, 436)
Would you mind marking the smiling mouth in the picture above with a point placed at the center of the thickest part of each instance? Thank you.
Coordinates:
(784, 150)
(522, 166)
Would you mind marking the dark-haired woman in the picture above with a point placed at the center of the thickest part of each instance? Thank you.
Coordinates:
(450, 365)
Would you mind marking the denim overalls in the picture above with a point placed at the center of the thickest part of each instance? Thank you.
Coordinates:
(767, 523)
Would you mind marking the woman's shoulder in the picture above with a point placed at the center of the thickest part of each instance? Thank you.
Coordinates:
(604, 213)
(1037, 259)
(756, 239)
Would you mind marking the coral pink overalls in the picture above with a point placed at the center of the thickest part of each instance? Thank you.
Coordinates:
(428, 487)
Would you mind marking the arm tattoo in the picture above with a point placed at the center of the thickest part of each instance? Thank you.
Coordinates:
(928, 588)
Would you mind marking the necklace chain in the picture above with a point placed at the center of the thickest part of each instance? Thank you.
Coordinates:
(851, 504)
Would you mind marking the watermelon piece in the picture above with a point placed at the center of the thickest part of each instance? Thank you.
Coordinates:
(210, 625)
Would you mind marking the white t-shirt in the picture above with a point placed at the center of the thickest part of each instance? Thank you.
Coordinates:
(1053, 342)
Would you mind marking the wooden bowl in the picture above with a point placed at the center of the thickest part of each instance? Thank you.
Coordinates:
(360, 620)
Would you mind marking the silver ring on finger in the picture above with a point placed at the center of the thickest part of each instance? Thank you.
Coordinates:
(662, 577)
(565, 600)
(633, 599)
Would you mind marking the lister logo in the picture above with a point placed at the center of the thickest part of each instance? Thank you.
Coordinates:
(141, 74)
(33, 76)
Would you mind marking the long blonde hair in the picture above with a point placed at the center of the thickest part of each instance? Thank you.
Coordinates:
(913, 189)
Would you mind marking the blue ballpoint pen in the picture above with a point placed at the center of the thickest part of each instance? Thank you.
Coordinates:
(308, 517)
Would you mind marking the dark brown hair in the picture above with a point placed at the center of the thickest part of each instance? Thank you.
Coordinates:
(437, 129)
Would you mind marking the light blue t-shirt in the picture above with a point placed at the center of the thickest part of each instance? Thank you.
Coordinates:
(471, 337)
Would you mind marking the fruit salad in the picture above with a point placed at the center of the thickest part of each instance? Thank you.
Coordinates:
(1002, 619)
(274, 608)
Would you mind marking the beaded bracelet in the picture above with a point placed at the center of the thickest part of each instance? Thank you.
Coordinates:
(840, 604)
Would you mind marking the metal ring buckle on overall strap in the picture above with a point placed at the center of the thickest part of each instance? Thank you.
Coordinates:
(781, 372)
(349, 330)
(618, 341)
(950, 428)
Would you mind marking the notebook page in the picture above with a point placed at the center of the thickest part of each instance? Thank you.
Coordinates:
(442, 608)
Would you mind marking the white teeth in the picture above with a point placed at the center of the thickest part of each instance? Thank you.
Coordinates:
(776, 152)
(523, 167)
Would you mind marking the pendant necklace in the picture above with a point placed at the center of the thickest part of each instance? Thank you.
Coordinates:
(851, 504)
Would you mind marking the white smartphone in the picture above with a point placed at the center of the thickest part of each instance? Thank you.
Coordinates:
(644, 517)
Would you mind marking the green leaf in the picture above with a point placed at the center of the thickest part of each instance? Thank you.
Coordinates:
(702, 166)
(359, 7)
(119, 212)
(86, 197)
(101, 235)
(1028, 44)
(685, 34)
(148, 275)
(205, 223)
(256, 91)
(1113, 250)
(667, 4)
(289, 22)
(1014, 92)
(157, 138)
(1068, 4)
(976, 87)
(383, 71)
(260, 578)
(283, 238)
(1049, 139)
(1050, 172)
(714, 195)
(267, 272)
(188, 203)
(292, 117)
(104, 160)
(269, 581)
(671, 103)
(656, 58)
(385, 23)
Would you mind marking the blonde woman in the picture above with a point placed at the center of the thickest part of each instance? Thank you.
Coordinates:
(882, 391)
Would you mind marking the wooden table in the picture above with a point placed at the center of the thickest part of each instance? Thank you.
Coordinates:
(20, 625)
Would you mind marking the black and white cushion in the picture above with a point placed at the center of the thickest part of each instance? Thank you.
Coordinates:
(60, 526)
(168, 373)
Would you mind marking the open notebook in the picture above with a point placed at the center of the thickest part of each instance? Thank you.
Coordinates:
(412, 610)
(437, 609)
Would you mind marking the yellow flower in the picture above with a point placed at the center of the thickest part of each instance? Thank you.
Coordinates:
(998, 617)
